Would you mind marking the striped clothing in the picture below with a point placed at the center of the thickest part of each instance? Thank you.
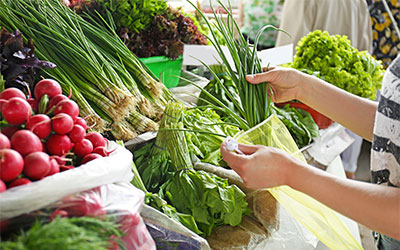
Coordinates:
(385, 153)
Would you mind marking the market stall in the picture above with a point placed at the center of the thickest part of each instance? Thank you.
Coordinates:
(112, 116)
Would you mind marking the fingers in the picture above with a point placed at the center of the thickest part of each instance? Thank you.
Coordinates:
(248, 149)
(259, 78)
(233, 159)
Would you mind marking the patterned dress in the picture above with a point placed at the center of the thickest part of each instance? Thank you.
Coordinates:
(385, 152)
(386, 42)
(258, 13)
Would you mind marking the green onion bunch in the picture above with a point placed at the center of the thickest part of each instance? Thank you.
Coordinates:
(110, 84)
(254, 105)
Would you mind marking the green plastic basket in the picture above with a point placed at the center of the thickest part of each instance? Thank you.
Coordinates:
(165, 69)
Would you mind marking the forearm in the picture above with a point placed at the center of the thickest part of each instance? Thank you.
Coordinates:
(375, 206)
(353, 112)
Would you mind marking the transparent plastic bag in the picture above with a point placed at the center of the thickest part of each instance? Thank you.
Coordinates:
(322, 221)
(121, 203)
(36, 195)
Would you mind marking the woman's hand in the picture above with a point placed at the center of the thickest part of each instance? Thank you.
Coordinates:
(286, 83)
(260, 166)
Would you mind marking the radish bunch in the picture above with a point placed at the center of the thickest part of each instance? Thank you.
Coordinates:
(43, 136)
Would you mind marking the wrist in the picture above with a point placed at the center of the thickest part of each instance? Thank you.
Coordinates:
(304, 86)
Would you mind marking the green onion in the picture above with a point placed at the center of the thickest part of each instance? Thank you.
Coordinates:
(254, 106)
(109, 83)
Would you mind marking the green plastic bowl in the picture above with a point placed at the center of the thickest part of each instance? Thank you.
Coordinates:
(165, 69)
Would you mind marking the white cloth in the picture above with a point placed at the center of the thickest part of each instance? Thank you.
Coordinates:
(342, 17)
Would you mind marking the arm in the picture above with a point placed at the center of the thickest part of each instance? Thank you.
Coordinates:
(377, 207)
(353, 112)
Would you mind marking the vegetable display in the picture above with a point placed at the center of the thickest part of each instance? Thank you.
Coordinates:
(45, 141)
(208, 198)
(115, 90)
(333, 59)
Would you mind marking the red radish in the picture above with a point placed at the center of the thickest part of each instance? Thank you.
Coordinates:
(68, 107)
(40, 125)
(4, 141)
(12, 92)
(19, 182)
(34, 104)
(16, 111)
(55, 100)
(49, 87)
(58, 212)
(54, 167)
(90, 157)
(90, 205)
(83, 148)
(82, 122)
(101, 150)
(3, 186)
(37, 165)
(9, 131)
(96, 138)
(58, 145)
(77, 134)
(62, 123)
(11, 164)
(66, 167)
(26, 142)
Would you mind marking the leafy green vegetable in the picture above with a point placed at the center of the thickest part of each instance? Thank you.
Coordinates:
(299, 123)
(202, 138)
(219, 90)
(333, 59)
(208, 198)
(135, 15)
(171, 29)
(68, 234)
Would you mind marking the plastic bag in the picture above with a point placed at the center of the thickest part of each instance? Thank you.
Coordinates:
(322, 221)
(36, 195)
(120, 202)
(169, 234)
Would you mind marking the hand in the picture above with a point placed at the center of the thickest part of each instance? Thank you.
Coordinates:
(286, 83)
(260, 166)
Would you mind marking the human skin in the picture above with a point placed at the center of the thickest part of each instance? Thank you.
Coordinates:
(375, 206)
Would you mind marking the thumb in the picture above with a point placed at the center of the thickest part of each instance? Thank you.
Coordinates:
(248, 149)
(258, 78)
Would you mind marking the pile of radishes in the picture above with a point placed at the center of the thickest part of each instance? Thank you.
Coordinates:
(43, 136)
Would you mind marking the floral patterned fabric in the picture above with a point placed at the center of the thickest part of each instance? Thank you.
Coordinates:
(386, 43)
(258, 13)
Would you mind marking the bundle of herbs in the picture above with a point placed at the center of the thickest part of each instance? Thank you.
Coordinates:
(208, 198)
(109, 83)
(68, 233)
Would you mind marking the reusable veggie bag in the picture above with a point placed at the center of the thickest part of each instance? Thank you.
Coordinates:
(326, 224)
